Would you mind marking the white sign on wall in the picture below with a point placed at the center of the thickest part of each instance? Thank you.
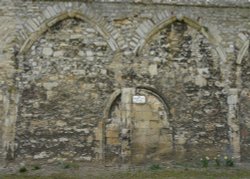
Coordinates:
(139, 99)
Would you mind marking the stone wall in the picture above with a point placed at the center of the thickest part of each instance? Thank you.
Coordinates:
(74, 67)
(244, 104)
(207, 3)
(186, 69)
(7, 74)
(65, 82)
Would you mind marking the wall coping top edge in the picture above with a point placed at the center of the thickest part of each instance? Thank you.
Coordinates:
(205, 3)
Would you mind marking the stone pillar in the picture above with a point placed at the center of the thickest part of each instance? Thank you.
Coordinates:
(9, 125)
(126, 101)
(100, 138)
(8, 111)
(9, 104)
(126, 113)
(233, 123)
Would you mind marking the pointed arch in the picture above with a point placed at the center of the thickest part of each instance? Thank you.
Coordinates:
(35, 27)
(149, 28)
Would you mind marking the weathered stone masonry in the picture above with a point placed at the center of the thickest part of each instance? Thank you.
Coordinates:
(72, 74)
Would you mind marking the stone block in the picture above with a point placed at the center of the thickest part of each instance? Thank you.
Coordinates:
(39, 124)
(51, 11)
(62, 6)
(112, 133)
(232, 100)
(47, 51)
(47, 14)
(50, 85)
(165, 144)
(140, 32)
(142, 124)
(113, 141)
(153, 70)
(41, 155)
(32, 24)
(57, 53)
(62, 139)
(155, 124)
(200, 81)
(60, 123)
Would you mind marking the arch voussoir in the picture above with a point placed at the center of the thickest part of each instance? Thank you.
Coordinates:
(34, 27)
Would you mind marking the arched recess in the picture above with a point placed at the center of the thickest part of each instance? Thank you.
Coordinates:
(137, 132)
(188, 63)
(242, 75)
(62, 81)
(118, 92)
(150, 27)
(42, 28)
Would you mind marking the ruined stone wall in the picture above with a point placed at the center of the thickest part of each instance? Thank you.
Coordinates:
(65, 83)
(244, 102)
(7, 76)
(187, 72)
(77, 66)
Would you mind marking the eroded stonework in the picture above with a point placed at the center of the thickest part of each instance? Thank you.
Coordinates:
(244, 108)
(125, 82)
(65, 82)
(188, 74)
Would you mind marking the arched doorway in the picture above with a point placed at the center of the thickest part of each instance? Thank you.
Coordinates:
(137, 130)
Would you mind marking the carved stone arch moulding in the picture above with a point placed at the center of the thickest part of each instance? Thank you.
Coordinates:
(242, 56)
(35, 27)
(128, 122)
(149, 28)
(117, 93)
